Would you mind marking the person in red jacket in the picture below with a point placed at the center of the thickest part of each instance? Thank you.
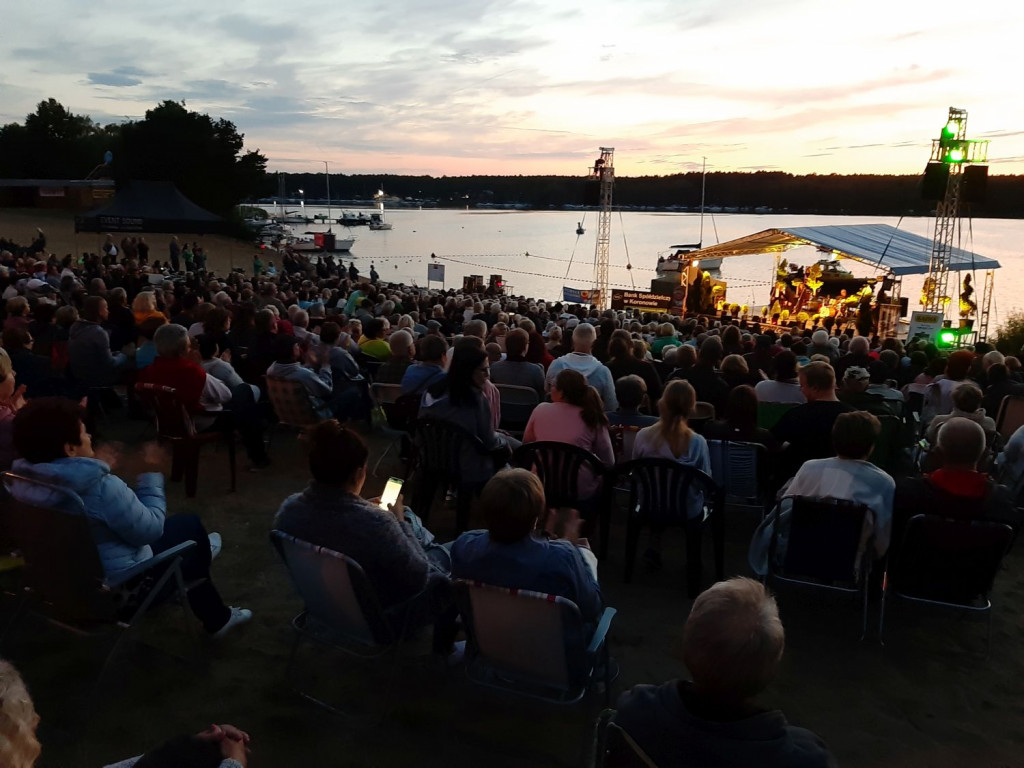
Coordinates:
(204, 396)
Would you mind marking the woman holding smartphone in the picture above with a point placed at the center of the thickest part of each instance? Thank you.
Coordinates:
(398, 555)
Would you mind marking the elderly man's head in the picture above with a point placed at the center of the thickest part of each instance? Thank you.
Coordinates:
(859, 345)
(961, 443)
(402, 345)
(171, 341)
(733, 641)
(516, 344)
(583, 337)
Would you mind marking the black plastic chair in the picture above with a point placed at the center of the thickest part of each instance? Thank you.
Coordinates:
(440, 448)
(660, 492)
(888, 452)
(947, 562)
(823, 538)
(558, 466)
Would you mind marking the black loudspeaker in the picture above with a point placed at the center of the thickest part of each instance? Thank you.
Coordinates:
(904, 306)
(592, 193)
(934, 181)
(974, 185)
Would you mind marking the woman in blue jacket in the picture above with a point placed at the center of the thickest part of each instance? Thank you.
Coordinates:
(129, 526)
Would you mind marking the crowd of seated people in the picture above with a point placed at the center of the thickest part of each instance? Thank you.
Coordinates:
(215, 340)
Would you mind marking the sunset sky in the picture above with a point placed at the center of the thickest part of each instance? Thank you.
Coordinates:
(478, 86)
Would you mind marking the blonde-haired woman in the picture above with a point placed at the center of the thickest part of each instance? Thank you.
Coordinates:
(672, 438)
(19, 746)
(144, 308)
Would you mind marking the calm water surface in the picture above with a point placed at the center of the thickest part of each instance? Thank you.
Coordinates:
(486, 242)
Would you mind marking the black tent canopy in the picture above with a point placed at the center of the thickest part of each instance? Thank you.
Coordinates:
(150, 206)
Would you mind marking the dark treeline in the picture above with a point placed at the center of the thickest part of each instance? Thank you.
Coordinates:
(206, 158)
(862, 194)
(202, 155)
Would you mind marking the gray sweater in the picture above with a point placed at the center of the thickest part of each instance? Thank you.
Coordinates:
(388, 552)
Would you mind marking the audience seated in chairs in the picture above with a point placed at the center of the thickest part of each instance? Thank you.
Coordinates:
(459, 398)
(740, 422)
(854, 391)
(525, 547)
(957, 489)
(429, 368)
(623, 362)
(373, 343)
(806, 429)
(316, 379)
(630, 391)
(732, 645)
(204, 396)
(33, 371)
(398, 555)
(672, 438)
(575, 416)
(12, 400)
(580, 360)
(90, 360)
(999, 386)
(938, 399)
(515, 369)
(350, 397)
(403, 350)
(130, 526)
(849, 476)
(967, 400)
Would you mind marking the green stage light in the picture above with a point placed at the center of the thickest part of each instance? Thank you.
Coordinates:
(956, 155)
(947, 338)
(949, 130)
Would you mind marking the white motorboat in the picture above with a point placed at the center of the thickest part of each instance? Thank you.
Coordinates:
(377, 221)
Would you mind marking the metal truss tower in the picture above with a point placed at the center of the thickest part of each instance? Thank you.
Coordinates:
(604, 172)
(954, 152)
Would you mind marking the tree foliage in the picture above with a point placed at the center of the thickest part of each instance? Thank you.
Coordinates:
(203, 156)
(1009, 338)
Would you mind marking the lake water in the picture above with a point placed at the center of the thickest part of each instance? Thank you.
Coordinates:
(497, 242)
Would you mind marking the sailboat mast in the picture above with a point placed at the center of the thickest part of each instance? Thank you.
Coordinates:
(703, 186)
(327, 178)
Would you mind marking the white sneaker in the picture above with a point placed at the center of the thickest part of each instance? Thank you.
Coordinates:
(238, 616)
(216, 545)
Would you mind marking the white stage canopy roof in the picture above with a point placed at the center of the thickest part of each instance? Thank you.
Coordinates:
(877, 245)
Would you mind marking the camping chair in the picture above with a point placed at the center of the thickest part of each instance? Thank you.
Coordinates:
(1011, 416)
(341, 609)
(768, 414)
(400, 413)
(660, 490)
(738, 467)
(517, 403)
(63, 575)
(823, 539)
(440, 447)
(291, 403)
(532, 644)
(558, 466)
(947, 562)
(174, 423)
(613, 747)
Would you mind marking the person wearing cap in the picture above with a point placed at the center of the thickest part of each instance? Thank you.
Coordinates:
(853, 390)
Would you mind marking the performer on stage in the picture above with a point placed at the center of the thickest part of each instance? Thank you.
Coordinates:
(967, 305)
